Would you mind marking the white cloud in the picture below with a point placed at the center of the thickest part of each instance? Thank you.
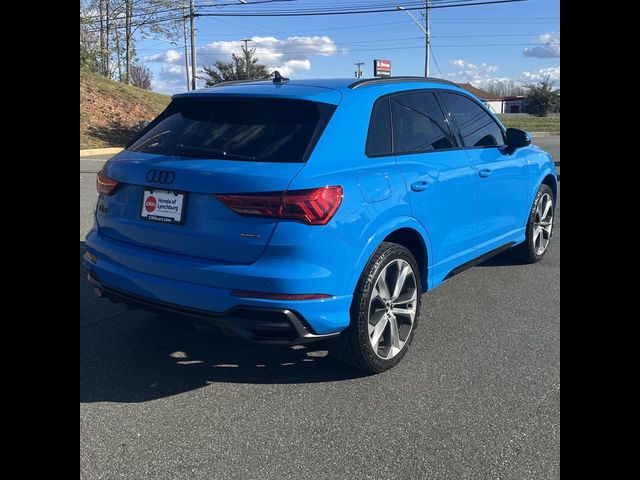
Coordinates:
(533, 77)
(288, 56)
(550, 47)
(471, 73)
(482, 75)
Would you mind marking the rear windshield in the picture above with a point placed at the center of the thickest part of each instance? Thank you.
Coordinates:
(248, 129)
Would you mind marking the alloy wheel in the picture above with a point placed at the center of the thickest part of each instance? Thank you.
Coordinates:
(392, 309)
(542, 224)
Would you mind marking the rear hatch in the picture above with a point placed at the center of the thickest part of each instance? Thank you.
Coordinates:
(202, 146)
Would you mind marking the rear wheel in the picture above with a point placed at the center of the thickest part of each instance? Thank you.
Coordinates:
(384, 312)
(539, 227)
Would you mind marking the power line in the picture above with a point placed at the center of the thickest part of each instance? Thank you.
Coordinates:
(401, 39)
(179, 9)
(390, 24)
(436, 62)
(466, 21)
(348, 12)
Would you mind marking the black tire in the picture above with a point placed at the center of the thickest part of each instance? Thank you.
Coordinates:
(353, 347)
(525, 251)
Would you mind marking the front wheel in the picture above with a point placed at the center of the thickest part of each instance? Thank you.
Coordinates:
(384, 312)
(539, 227)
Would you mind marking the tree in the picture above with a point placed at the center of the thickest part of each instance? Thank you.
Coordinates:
(541, 98)
(503, 87)
(236, 69)
(141, 76)
(149, 19)
(113, 26)
(89, 44)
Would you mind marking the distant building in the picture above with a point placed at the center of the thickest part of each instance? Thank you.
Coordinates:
(513, 104)
(496, 103)
(493, 102)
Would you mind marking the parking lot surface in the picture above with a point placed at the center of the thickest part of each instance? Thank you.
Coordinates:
(477, 396)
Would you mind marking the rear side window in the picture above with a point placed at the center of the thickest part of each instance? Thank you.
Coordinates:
(476, 126)
(419, 124)
(249, 129)
(379, 138)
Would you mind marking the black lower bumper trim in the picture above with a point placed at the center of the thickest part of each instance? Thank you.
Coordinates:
(257, 324)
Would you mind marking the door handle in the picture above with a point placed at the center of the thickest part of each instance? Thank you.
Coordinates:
(419, 186)
(484, 173)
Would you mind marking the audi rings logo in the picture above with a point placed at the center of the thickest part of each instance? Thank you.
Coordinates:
(160, 176)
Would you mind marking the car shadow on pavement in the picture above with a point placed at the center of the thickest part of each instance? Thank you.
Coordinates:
(503, 259)
(137, 356)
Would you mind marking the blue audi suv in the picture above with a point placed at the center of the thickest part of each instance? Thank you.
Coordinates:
(292, 211)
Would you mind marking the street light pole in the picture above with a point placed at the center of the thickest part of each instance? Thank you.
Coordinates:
(247, 60)
(426, 33)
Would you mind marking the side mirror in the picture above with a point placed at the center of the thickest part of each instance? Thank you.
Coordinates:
(517, 138)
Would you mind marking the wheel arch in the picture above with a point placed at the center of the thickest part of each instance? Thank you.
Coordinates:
(406, 231)
(552, 183)
(546, 177)
(412, 241)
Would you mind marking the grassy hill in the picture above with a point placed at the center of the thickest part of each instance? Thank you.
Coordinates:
(532, 124)
(110, 112)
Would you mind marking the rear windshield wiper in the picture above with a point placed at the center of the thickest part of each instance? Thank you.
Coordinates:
(212, 151)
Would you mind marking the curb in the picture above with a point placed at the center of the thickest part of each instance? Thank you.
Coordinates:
(100, 151)
(544, 134)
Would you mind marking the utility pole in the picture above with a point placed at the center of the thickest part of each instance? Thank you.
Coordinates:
(184, 32)
(425, 29)
(427, 42)
(358, 69)
(192, 16)
(247, 60)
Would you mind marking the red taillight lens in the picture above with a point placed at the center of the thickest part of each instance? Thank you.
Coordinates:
(105, 185)
(314, 206)
(279, 296)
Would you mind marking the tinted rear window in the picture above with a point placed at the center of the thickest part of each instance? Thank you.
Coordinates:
(261, 130)
(419, 124)
(379, 137)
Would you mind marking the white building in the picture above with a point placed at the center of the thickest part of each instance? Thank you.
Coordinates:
(493, 102)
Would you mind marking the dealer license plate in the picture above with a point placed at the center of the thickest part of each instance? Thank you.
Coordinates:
(164, 206)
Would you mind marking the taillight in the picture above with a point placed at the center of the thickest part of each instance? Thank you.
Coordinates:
(105, 185)
(314, 206)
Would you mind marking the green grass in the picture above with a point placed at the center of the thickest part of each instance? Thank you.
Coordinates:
(532, 124)
(110, 112)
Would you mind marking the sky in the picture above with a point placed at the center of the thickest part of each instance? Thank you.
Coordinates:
(480, 44)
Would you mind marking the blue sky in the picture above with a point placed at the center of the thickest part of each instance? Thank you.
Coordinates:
(481, 44)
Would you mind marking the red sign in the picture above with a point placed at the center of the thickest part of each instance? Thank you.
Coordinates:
(382, 68)
(150, 204)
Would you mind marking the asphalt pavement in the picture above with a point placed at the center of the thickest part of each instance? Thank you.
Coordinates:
(477, 396)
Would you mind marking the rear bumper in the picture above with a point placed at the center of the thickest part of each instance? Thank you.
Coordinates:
(279, 326)
(153, 280)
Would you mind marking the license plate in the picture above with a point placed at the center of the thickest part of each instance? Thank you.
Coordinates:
(164, 206)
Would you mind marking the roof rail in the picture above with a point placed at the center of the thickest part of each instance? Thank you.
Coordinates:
(376, 80)
(235, 82)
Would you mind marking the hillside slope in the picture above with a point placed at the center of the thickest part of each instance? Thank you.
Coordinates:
(110, 112)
